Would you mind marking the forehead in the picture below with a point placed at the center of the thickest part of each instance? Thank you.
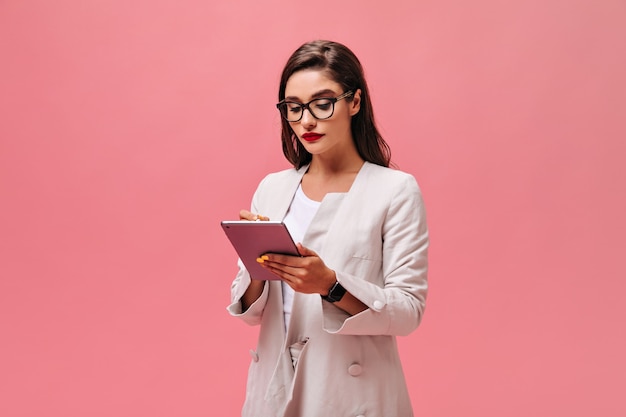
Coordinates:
(305, 84)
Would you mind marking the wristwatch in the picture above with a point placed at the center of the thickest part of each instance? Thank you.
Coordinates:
(335, 293)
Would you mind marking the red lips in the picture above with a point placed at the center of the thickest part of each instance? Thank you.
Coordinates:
(311, 136)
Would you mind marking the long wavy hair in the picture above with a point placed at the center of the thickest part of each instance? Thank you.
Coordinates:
(343, 67)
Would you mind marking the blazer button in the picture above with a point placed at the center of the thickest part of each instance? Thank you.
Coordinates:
(254, 355)
(355, 369)
(378, 305)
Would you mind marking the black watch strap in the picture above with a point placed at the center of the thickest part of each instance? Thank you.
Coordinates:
(335, 293)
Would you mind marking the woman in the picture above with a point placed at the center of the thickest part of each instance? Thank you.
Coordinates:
(327, 342)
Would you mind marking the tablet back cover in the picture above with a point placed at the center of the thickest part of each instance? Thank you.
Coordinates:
(252, 239)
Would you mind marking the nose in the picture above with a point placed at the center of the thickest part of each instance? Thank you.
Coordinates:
(307, 119)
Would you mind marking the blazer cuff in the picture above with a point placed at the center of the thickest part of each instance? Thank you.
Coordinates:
(374, 320)
(253, 314)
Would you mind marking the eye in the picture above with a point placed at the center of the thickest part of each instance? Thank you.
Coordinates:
(323, 104)
(294, 107)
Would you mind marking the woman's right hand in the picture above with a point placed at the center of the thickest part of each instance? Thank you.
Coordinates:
(247, 215)
(255, 289)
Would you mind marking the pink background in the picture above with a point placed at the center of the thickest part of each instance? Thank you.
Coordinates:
(129, 129)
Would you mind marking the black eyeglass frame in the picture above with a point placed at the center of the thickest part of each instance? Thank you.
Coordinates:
(306, 106)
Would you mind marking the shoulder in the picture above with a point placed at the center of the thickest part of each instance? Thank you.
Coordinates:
(284, 177)
(400, 195)
(390, 179)
(278, 185)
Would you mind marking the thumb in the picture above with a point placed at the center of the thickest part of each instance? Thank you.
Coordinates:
(305, 251)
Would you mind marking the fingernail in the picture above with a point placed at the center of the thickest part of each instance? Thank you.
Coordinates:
(260, 260)
(265, 257)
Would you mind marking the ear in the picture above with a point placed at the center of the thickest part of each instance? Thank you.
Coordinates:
(355, 104)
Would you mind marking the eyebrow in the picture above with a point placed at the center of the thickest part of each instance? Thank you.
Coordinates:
(322, 93)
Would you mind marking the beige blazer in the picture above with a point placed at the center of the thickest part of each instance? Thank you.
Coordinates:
(375, 238)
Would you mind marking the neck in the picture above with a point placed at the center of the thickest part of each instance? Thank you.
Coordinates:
(346, 159)
(322, 164)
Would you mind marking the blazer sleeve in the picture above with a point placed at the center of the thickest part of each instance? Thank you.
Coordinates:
(397, 307)
(240, 284)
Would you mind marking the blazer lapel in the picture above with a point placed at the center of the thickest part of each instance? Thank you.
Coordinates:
(283, 193)
(335, 208)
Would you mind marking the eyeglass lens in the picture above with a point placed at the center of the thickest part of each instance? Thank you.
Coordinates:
(320, 108)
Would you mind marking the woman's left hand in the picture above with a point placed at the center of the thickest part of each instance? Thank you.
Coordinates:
(307, 273)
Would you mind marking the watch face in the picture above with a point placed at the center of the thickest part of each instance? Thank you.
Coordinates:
(337, 292)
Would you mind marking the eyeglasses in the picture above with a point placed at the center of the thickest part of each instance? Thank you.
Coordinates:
(320, 108)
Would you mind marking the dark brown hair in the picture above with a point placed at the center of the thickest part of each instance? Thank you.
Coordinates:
(344, 68)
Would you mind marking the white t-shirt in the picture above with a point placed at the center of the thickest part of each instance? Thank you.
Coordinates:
(297, 220)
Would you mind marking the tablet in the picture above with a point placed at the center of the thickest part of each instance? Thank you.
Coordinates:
(252, 239)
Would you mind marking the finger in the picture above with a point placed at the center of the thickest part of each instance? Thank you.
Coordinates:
(279, 271)
(291, 276)
(292, 270)
(304, 251)
(287, 260)
(248, 215)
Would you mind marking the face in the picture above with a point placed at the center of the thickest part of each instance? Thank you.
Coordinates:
(328, 135)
